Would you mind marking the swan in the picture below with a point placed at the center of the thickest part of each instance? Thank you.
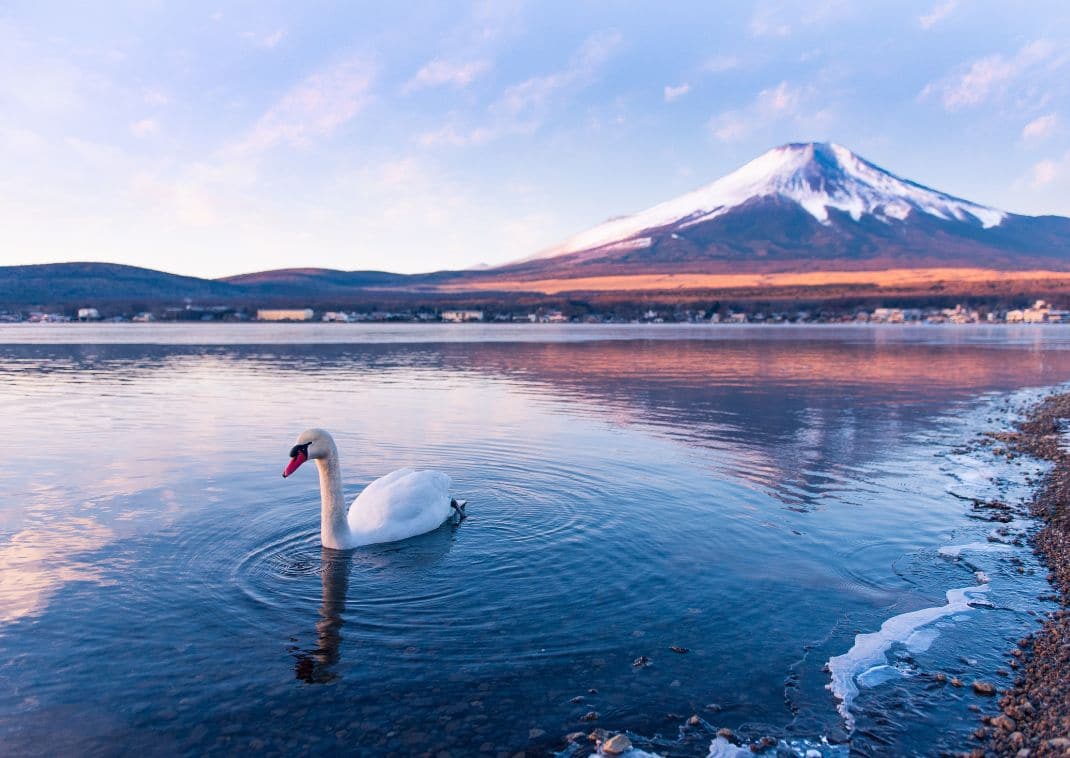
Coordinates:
(402, 504)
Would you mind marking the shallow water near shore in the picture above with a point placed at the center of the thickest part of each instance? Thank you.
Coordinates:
(767, 499)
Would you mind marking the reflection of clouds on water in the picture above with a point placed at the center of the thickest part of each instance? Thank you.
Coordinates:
(41, 558)
(56, 542)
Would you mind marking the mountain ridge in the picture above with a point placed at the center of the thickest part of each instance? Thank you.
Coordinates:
(806, 206)
(816, 175)
(796, 209)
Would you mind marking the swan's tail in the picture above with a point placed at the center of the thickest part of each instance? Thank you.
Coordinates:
(458, 506)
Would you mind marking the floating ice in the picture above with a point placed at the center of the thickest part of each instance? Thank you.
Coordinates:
(870, 650)
(921, 640)
(878, 675)
(722, 748)
(954, 551)
(803, 748)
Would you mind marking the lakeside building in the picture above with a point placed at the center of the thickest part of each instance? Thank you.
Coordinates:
(462, 315)
(1040, 313)
(284, 314)
(895, 315)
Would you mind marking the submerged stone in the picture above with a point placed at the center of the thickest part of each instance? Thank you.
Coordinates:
(616, 744)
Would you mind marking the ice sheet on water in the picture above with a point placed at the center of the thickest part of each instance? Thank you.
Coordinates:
(870, 650)
(722, 748)
(953, 551)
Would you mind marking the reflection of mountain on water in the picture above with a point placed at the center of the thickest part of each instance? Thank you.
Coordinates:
(779, 408)
(781, 413)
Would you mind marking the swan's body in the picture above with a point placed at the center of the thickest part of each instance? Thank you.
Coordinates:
(402, 504)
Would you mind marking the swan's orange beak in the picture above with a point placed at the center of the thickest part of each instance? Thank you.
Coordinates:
(296, 461)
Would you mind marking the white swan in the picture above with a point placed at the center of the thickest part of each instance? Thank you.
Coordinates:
(402, 504)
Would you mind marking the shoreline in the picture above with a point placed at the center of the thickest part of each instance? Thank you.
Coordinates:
(1035, 710)
(473, 323)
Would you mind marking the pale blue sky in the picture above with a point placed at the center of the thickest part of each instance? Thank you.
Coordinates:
(210, 139)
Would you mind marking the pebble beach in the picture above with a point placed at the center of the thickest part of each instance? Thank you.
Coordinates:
(1035, 711)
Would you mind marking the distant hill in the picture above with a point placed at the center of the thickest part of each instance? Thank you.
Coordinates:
(102, 283)
(289, 282)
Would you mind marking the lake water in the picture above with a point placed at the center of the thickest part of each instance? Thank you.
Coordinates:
(758, 496)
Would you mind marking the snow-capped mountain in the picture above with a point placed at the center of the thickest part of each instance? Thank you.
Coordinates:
(809, 205)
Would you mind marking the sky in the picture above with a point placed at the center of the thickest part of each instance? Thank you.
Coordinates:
(213, 139)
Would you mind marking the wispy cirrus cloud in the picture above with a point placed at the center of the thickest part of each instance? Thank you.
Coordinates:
(439, 72)
(675, 93)
(937, 14)
(1040, 127)
(146, 127)
(534, 94)
(313, 108)
(988, 78)
(784, 101)
(721, 63)
(785, 17)
(766, 21)
(524, 106)
(1044, 173)
(156, 97)
(266, 40)
(455, 136)
(199, 194)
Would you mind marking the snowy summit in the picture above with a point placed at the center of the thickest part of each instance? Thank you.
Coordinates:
(816, 176)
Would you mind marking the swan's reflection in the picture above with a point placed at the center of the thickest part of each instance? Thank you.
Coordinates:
(316, 666)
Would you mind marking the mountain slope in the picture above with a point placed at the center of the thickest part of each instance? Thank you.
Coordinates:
(96, 283)
(804, 207)
(319, 281)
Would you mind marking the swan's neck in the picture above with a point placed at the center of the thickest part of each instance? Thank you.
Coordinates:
(334, 529)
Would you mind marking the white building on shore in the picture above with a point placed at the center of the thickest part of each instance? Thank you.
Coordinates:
(1040, 313)
(457, 317)
(284, 314)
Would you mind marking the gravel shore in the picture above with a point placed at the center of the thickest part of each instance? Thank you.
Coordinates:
(1036, 711)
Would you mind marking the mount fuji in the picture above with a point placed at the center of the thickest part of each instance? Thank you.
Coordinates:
(806, 207)
(805, 220)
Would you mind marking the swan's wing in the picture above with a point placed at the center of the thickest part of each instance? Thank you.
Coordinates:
(385, 482)
(403, 503)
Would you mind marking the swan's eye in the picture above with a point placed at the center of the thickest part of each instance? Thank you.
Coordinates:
(297, 450)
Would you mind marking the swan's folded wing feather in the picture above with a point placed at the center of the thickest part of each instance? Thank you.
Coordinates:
(402, 504)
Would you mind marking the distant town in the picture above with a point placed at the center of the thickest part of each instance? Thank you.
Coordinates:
(1040, 312)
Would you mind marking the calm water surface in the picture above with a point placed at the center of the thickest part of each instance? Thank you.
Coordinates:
(757, 496)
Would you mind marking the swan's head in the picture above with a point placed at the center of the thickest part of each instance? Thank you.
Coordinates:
(311, 443)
